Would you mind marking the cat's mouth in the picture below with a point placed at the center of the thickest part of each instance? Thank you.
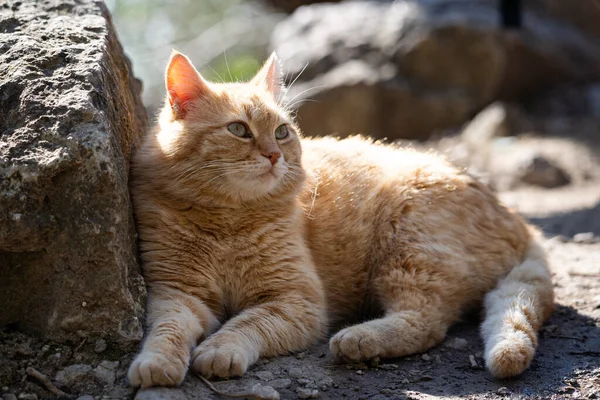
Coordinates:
(268, 175)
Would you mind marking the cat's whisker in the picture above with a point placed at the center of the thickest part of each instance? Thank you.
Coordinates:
(291, 106)
(297, 76)
(227, 65)
(302, 92)
(216, 73)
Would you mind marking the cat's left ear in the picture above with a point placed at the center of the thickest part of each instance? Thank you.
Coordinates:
(270, 76)
(184, 84)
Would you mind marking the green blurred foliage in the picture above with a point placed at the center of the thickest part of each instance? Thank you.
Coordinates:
(225, 39)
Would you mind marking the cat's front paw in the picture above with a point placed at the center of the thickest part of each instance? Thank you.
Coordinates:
(222, 361)
(356, 343)
(155, 369)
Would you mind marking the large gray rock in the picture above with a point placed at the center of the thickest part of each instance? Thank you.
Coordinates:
(406, 69)
(70, 113)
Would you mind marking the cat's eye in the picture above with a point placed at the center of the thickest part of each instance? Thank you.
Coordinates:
(282, 132)
(239, 130)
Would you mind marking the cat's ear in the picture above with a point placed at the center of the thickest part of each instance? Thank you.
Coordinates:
(270, 76)
(184, 84)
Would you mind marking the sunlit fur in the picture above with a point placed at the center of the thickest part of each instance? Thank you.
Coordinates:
(244, 261)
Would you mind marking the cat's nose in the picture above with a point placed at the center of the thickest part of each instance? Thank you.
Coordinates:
(273, 156)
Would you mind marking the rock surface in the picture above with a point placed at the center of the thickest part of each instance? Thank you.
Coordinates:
(70, 113)
(407, 69)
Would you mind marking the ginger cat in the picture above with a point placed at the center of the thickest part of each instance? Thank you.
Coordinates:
(255, 241)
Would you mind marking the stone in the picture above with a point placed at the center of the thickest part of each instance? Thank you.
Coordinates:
(9, 396)
(541, 171)
(325, 383)
(409, 69)
(296, 373)
(456, 343)
(307, 383)
(28, 396)
(264, 375)
(105, 372)
(160, 394)
(70, 114)
(73, 374)
(586, 238)
(86, 397)
(426, 357)
(280, 383)
(504, 391)
(100, 346)
(305, 393)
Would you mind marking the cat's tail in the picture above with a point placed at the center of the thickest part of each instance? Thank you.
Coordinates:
(515, 311)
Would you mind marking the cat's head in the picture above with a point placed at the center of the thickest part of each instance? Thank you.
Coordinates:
(229, 139)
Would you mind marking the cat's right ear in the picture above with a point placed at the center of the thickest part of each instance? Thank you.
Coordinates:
(184, 84)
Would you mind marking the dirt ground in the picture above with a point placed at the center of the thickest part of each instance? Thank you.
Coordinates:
(567, 364)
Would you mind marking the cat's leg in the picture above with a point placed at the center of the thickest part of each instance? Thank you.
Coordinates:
(176, 321)
(282, 325)
(418, 312)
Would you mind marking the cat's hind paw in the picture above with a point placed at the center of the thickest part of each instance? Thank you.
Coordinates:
(356, 343)
(155, 369)
(224, 361)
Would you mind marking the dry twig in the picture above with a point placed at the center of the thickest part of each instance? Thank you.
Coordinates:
(43, 379)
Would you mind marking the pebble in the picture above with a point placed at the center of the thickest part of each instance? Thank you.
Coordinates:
(504, 391)
(306, 383)
(160, 394)
(426, 357)
(359, 372)
(86, 397)
(9, 396)
(325, 383)
(304, 393)
(264, 375)
(388, 367)
(456, 343)
(72, 374)
(5, 388)
(28, 396)
(280, 383)
(100, 346)
(296, 373)
(300, 356)
(473, 361)
(105, 372)
(586, 238)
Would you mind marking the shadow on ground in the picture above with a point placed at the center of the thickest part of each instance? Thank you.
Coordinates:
(571, 223)
(569, 349)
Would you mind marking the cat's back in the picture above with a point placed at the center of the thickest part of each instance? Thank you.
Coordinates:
(357, 177)
(364, 202)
